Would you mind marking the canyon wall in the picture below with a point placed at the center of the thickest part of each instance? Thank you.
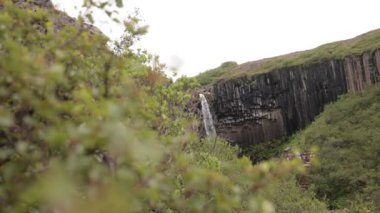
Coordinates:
(250, 110)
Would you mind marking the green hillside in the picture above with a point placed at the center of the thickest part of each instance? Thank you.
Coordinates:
(336, 50)
(347, 134)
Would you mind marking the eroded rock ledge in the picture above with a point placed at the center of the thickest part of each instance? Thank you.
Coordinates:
(250, 110)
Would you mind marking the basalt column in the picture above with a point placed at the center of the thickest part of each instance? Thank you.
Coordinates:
(268, 106)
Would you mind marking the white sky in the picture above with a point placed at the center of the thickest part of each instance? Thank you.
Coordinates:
(196, 35)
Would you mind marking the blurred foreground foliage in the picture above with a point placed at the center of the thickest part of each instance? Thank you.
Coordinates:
(83, 129)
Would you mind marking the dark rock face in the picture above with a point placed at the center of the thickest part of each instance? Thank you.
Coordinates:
(268, 106)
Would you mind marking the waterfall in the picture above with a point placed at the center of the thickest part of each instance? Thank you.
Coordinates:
(207, 118)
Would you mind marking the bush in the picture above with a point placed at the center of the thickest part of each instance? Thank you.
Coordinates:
(288, 196)
(266, 150)
(86, 130)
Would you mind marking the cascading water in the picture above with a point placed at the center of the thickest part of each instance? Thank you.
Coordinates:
(207, 118)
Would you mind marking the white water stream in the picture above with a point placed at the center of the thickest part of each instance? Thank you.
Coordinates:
(207, 117)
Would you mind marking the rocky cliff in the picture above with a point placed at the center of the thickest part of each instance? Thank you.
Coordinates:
(262, 107)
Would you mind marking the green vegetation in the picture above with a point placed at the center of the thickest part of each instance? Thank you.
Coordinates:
(87, 129)
(348, 137)
(337, 50)
(266, 150)
(83, 129)
(287, 196)
(213, 75)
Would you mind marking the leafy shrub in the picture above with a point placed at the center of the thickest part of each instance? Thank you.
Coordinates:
(288, 196)
(83, 129)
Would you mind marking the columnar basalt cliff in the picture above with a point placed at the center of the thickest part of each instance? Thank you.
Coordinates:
(250, 110)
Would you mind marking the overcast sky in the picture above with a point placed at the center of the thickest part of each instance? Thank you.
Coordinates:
(196, 35)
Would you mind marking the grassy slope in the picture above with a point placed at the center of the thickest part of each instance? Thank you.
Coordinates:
(213, 75)
(348, 136)
(365, 42)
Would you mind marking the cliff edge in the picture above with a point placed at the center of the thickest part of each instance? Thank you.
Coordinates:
(270, 100)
